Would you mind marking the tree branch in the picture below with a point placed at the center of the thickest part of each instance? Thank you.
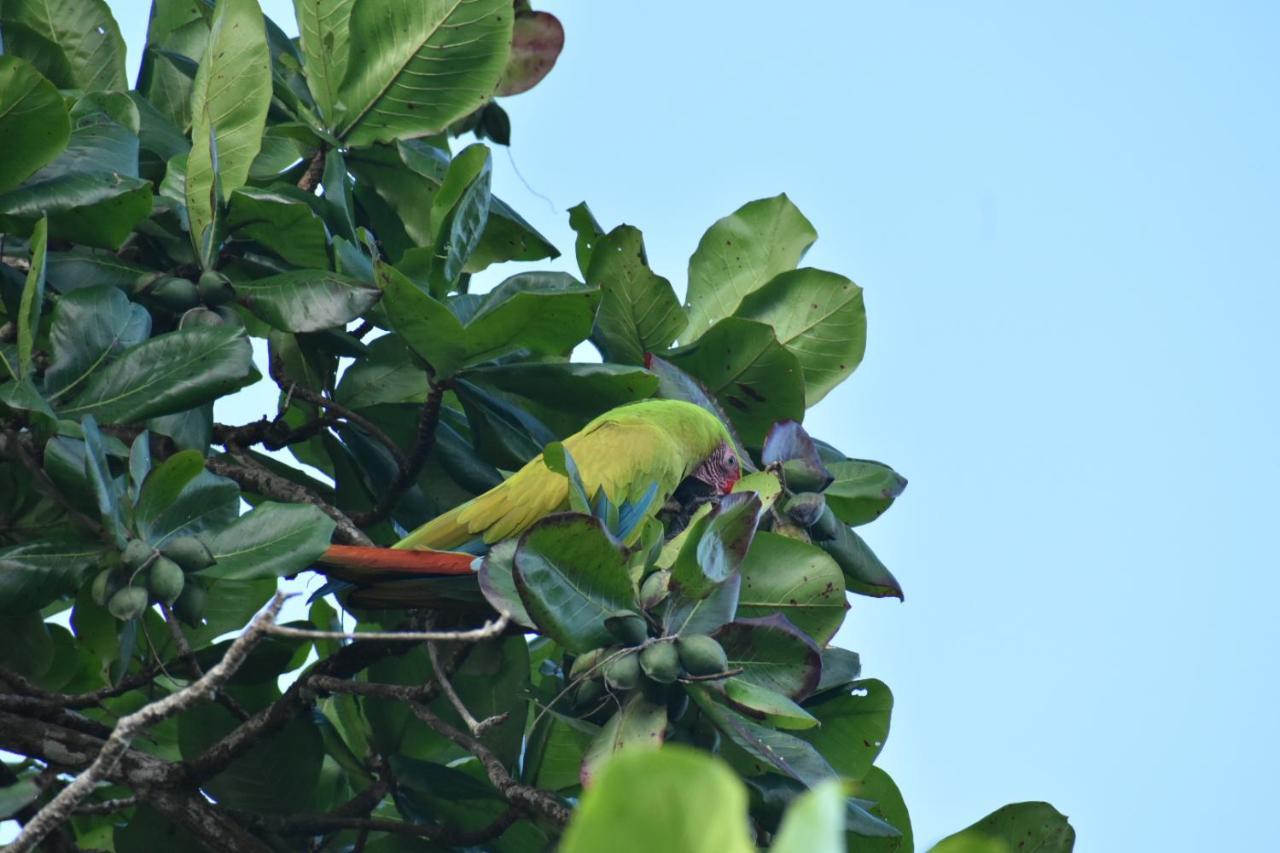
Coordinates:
(424, 439)
(117, 745)
(486, 631)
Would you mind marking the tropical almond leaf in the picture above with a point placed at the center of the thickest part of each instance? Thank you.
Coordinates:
(229, 102)
(796, 579)
(772, 653)
(417, 66)
(307, 300)
(33, 121)
(75, 43)
(639, 312)
(739, 254)
(281, 222)
(1033, 826)
(34, 574)
(638, 724)
(90, 328)
(854, 726)
(862, 490)
(272, 540)
(536, 41)
(323, 28)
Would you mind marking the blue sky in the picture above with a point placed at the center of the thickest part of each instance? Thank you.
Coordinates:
(1065, 220)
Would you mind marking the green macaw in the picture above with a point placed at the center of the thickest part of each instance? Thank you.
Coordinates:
(625, 452)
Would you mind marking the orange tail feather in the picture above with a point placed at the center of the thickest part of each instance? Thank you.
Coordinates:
(359, 560)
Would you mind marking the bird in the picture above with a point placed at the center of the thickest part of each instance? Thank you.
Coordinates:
(638, 453)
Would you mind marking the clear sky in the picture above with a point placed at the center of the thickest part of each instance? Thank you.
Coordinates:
(1065, 217)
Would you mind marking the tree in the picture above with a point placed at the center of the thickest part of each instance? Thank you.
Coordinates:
(309, 195)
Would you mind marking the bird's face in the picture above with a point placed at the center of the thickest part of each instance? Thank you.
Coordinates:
(720, 470)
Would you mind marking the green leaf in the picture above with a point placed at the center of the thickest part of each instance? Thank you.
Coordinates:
(820, 318)
(638, 725)
(280, 222)
(34, 574)
(862, 490)
(787, 576)
(739, 254)
(459, 213)
(815, 822)
(82, 267)
(180, 496)
(498, 583)
(168, 373)
(105, 486)
(639, 312)
(75, 43)
(508, 237)
(178, 30)
(504, 434)
(772, 653)
(15, 797)
(589, 234)
(715, 550)
(769, 705)
(90, 328)
(571, 576)
(864, 574)
(33, 121)
(556, 750)
(877, 787)
(756, 380)
(674, 799)
(855, 725)
(32, 298)
(272, 539)
(556, 457)
(229, 101)
(388, 374)
(546, 313)
(323, 30)
(425, 324)
(1015, 828)
(307, 300)
(416, 67)
(566, 395)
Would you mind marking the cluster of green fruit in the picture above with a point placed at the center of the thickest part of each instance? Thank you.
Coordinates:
(806, 516)
(206, 301)
(640, 660)
(146, 575)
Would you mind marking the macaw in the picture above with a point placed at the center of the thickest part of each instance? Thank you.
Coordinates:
(625, 452)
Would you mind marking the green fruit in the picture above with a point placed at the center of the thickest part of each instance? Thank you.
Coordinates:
(827, 526)
(165, 580)
(629, 628)
(189, 606)
(587, 661)
(805, 508)
(801, 477)
(104, 586)
(654, 589)
(623, 673)
(176, 294)
(200, 316)
(215, 288)
(145, 280)
(588, 693)
(136, 554)
(661, 662)
(701, 655)
(127, 603)
(188, 552)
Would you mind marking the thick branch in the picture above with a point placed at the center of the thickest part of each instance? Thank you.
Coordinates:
(484, 632)
(117, 745)
(74, 701)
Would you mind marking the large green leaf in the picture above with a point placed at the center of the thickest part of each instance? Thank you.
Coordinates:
(639, 724)
(168, 373)
(75, 43)
(815, 822)
(271, 540)
(32, 302)
(322, 29)
(34, 574)
(787, 576)
(425, 324)
(566, 395)
(639, 312)
(773, 654)
(33, 121)
(459, 213)
(1015, 828)
(388, 374)
(81, 267)
(674, 799)
(556, 748)
(508, 237)
(307, 300)
(416, 66)
(90, 328)
(755, 378)
(716, 546)
(180, 496)
(281, 222)
(877, 787)
(862, 490)
(176, 37)
(546, 313)
(820, 317)
(854, 728)
(739, 254)
(229, 101)
(571, 576)
(864, 573)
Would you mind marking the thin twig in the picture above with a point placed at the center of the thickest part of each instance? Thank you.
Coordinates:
(60, 807)
(477, 727)
(73, 701)
(489, 629)
(188, 657)
(107, 806)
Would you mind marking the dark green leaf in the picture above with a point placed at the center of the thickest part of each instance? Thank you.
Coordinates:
(90, 328)
(854, 727)
(504, 434)
(425, 324)
(877, 787)
(280, 222)
(168, 373)
(864, 574)
(273, 539)
(80, 268)
(177, 28)
(459, 213)
(498, 582)
(820, 318)
(229, 101)
(715, 550)
(35, 574)
(756, 380)
(15, 797)
(546, 313)
(1031, 827)
(840, 668)
(179, 496)
(33, 121)
(772, 653)
(589, 234)
(788, 442)
(556, 751)
(508, 237)
(105, 487)
(32, 298)
(322, 27)
(739, 254)
(638, 725)
(571, 576)
(787, 576)
(388, 374)
(862, 490)
(765, 704)
(75, 43)
(639, 312)
(442, 60)
(307, 300)
(566, 395)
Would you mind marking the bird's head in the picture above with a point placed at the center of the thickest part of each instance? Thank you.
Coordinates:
(720, 470)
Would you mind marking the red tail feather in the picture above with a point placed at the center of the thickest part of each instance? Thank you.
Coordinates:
(362, 560)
